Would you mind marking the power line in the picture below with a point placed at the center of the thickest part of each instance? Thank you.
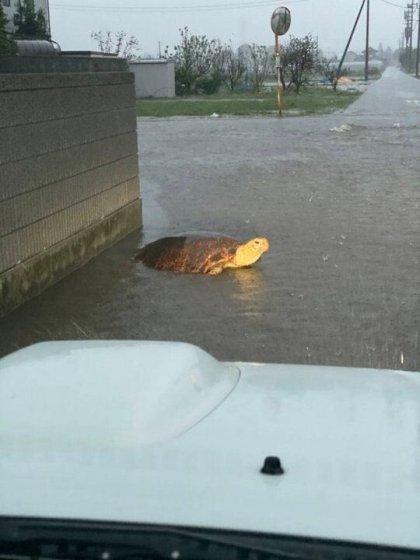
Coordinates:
(393, 4)
(169, 9)
(166, 9)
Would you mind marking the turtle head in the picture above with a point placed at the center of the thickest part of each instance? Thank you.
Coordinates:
(251, 251)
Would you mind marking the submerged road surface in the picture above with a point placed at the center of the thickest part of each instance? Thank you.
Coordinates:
(340, 284)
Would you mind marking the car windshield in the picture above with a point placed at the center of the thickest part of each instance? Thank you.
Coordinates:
(209, 265)
(293, 123)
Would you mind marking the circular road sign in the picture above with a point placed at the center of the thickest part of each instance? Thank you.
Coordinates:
(280, 21)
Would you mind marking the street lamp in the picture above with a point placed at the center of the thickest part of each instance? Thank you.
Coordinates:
(280, 23)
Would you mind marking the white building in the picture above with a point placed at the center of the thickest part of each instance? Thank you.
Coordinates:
(154, 78)
(10, 8)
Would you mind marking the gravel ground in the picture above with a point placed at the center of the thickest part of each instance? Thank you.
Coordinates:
(340, 285)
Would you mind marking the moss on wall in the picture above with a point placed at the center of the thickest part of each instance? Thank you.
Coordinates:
(33, 276)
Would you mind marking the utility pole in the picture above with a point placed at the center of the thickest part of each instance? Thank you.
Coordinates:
(411, 33)
(160, 56)
(367, 41)
(348, 43)
(418, 42)
(409, 17)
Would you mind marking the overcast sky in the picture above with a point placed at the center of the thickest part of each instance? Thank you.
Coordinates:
(239, 21)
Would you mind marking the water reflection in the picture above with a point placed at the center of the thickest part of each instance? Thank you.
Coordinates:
(251, 286)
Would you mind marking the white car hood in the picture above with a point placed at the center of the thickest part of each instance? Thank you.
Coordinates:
(163, 433)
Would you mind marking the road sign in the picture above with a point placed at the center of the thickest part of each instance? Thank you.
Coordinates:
(280, 21)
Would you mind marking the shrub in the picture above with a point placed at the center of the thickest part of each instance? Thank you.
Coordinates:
(207, 84)
(7, 45)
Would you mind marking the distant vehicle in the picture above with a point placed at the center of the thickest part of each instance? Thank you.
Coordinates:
(124, 449)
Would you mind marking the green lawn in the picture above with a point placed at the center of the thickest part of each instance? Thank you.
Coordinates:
(311, 100)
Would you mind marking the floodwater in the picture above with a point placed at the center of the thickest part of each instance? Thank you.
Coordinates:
(340, 285)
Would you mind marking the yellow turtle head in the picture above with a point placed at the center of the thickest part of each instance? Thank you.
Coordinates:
(248, 253)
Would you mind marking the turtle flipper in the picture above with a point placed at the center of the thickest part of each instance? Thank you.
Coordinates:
(216, 270)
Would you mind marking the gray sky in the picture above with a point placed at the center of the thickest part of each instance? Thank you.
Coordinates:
(330, 20)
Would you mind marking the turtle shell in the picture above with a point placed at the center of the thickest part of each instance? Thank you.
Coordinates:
(189, 253)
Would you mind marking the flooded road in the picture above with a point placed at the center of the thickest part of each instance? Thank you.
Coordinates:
(340, 284)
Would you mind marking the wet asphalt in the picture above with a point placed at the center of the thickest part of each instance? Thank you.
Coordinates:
(340, 285)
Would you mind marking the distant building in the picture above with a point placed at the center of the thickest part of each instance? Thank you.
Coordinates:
(351, 56)
(244, 51)
(359, 65)
(153, 78)
(10, 9)
(373, 53)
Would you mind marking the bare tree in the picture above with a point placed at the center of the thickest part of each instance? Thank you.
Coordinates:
(219, 62)
(235, 68)
(327, 67)
(118, 43)
(261, 62)
(298, 60)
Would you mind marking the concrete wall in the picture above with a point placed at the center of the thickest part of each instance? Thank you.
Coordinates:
(69, 183)
(154, 78)
(61, 63)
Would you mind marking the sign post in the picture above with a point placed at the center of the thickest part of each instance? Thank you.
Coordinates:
(280, 23)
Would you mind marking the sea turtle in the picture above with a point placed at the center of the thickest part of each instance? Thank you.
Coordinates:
(201, 254)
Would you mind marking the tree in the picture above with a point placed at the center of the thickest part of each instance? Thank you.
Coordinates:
(194, 60)
(235, 68)
(219, 62)
(29, 23)
(211, 81)
(118, 43)
(261, 61)
(298, 60)
(327, 67)
(202, 65)
(7, 45)
(405, 56)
